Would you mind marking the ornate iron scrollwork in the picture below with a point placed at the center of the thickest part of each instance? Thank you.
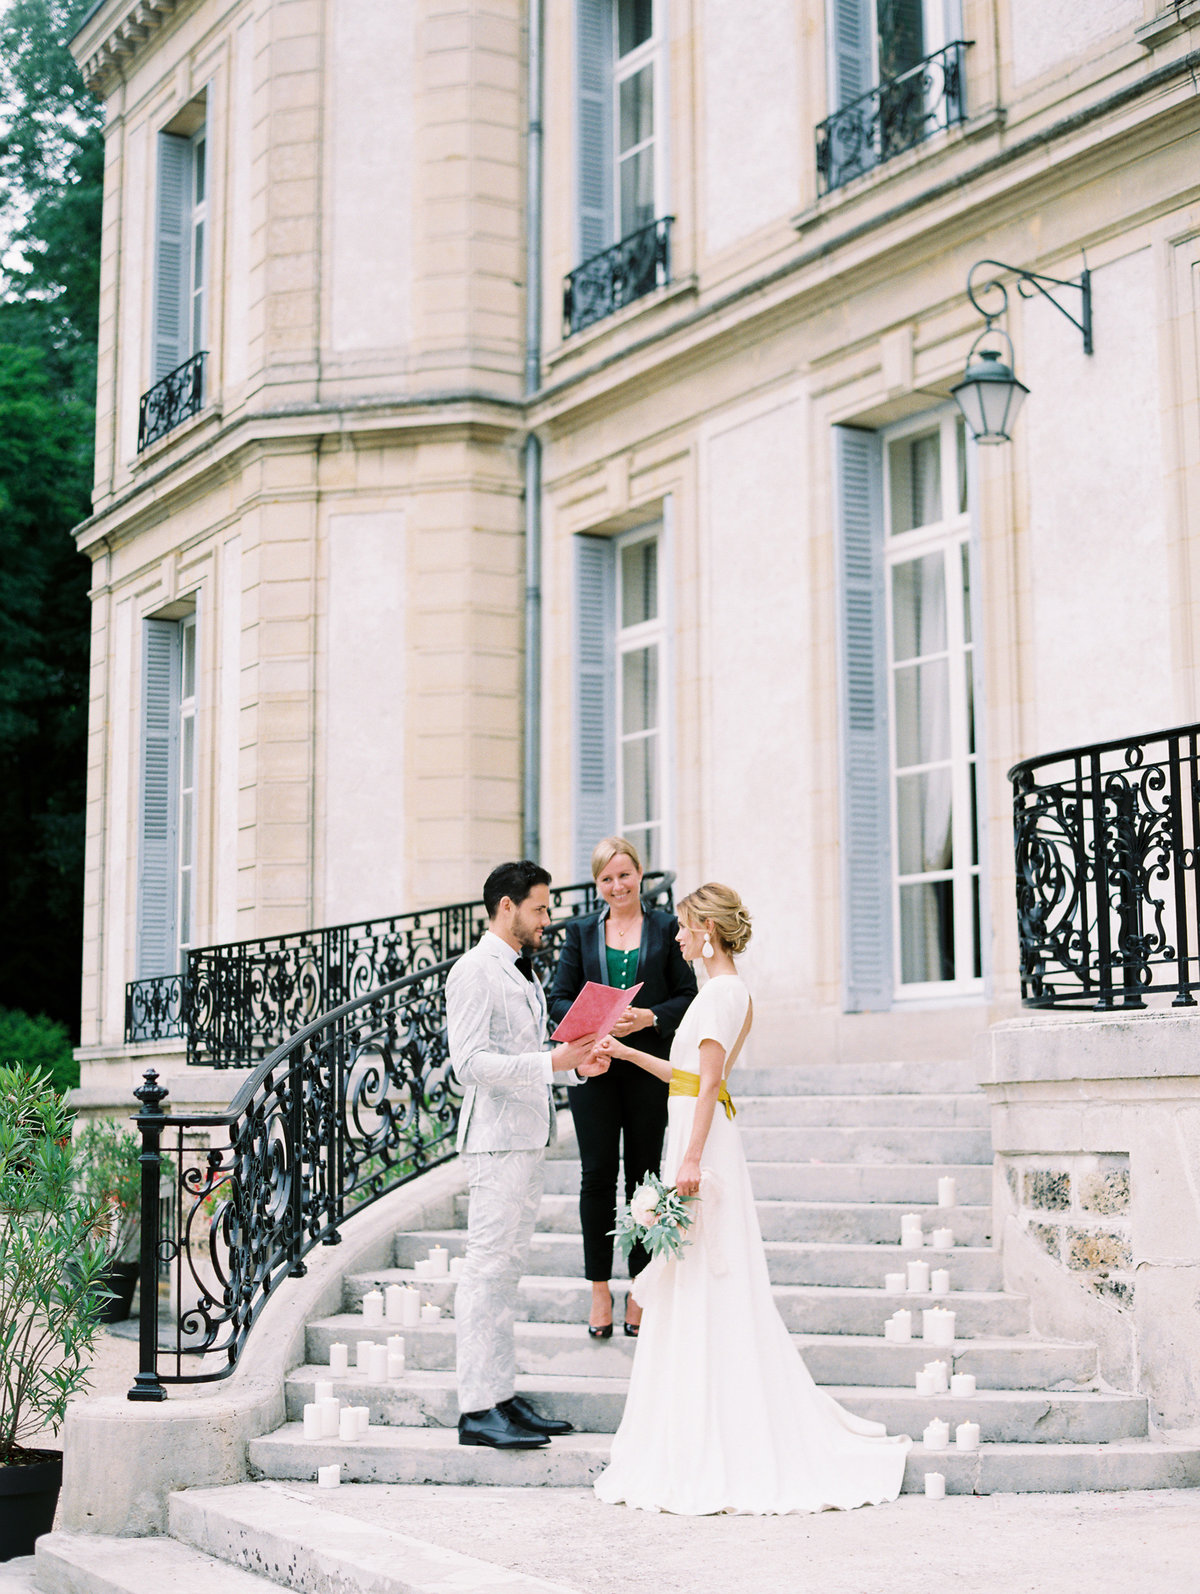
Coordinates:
(170, 402)
(617, 276)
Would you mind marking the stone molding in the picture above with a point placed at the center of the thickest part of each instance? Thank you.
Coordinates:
(113, 35)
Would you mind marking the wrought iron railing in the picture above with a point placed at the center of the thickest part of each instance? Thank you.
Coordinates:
(900, 113)
(173, 400)
(1108, 872)
(353, 1106)
(617, 276)
(237, 1002)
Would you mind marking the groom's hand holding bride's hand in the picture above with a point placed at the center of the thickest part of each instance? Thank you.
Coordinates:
(610, 1047)
(579, 1055)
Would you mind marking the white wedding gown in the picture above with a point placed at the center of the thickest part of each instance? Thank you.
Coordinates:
(722, 1414)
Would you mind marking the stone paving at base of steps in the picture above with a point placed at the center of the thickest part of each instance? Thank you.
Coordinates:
(1136, 1543)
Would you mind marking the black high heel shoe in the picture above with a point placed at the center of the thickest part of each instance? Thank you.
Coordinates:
(631, 1330)
(605, 1329)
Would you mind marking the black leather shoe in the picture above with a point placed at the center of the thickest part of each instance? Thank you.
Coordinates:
(498, 1431)
(523, 1414)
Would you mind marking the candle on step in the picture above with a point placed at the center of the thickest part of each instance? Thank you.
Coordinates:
(395, 1344)
(935, 1486)
(894, 1283)
(393, 1303)
(966, 1436)
(899, 1326)
(347, 1423)
(962, 1384)
(911, 1236)
(939, 1372)
(430, 1313)
(395, 1364)
(330, 1410)
(373, 1309)
(322, 1390)
(936, 1435)
(329, 1477)
(925, 1385)
(423, 1268)
(377, 1364)
(339, 1361)
(939, 1281)
(947, 1192)
(918, 1277)
(942, 1239)
(312, 1421)
(362, 1359)
(439, 1261)
(362, 1421)
(412, 1307)
(457, 1263)
(937, 1326)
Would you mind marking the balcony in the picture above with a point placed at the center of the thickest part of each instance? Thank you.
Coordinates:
(169, 403)
(616, 277)
(900, 113)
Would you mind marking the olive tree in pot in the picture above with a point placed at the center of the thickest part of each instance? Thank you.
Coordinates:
(109, 1176)
(52, 1261)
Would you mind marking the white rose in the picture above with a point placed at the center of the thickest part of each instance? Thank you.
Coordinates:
(643, 1208)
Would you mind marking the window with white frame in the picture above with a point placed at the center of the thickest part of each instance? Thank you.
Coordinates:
(180, 257)
(186, 860)
(167, 842)
(872, 40)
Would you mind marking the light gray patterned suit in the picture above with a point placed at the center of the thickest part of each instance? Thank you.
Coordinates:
(496, 1022)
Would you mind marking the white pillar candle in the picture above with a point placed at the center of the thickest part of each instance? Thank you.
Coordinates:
(339, 1361)
(330, 1409)
(393, 1303)
(322, 1390)
(937, 1435)
(347, 1423)
(918, 1277)
(962, 1384)
(362, 1359)
(939, 1281)
(937, 1326)
(894, 1283)
(423, 1268)
(439, 1261)
(395, 1344)
(395, 1364)
(329, 1477)
(362, 1421)
(935, 1486)
(412, 1307)
(911, 1237)
(430, 1313)
(966, 1436)
(942, 1239)
(377, 1364)
(312, 1421)
(899, 1326)
(457, 1263)
(947, 1192)
(373, 1309)
(925, 1385)
(939, 1371)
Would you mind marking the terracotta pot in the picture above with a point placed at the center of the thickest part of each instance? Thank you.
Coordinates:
(28, 1501)
(121, 1278)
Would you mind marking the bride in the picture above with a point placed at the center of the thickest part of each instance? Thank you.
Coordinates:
(722, 1414)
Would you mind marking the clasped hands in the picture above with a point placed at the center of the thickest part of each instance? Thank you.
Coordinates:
(589, 1056)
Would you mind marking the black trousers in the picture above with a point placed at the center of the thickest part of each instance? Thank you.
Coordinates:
(625, 1104)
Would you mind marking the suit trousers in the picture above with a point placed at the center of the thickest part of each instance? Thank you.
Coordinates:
(506, 1191)
(625, 1104)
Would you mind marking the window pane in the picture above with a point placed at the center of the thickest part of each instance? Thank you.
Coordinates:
(637, 191)
(639, 691)
(960, 451)
(639, 795)
(189, 661)
(199, 168)
(977, 963)
(926, 932)
(915, 480)
(923, 822)
(636, 109)
(635, 23)
(922, 714)
(966, 586)
(919, 607)
(901, 35)
(646, 839)
(974, 815)
(968, 666)
(639, 582)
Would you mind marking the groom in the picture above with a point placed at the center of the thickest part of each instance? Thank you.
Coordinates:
(496, 1023)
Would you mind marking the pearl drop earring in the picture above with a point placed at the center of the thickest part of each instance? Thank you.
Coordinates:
(708, 946)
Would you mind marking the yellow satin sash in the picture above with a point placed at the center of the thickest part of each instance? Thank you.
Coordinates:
(685, 1084)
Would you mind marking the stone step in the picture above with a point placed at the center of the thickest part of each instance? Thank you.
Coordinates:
(595, 1404)
(859, 1079)
(965, 1110)
(294, 1538)
(788, 1261)
(872, 1144)
(90, 1563)
(433, 1455)
(914, 1184)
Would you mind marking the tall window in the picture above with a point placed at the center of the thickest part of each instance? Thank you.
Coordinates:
(933, 785)
(620, 85)
(640, 643)
(167, 852)
(871, 40)
(186, 861)
(181, 268)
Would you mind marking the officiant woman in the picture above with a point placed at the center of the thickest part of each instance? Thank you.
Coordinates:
(626, 1107)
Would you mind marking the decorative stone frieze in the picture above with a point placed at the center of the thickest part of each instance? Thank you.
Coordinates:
(128, 31)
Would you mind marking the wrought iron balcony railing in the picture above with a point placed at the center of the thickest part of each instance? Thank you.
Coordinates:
(900, 113)
(237, 1002)
(169, 403)
(1108, 872)
(617, 276)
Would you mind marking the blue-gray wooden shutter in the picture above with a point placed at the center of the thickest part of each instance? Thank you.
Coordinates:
(853, 69)
(157, 952)
(593, 79)
(595, 732)
(171, 254)
(862, 682)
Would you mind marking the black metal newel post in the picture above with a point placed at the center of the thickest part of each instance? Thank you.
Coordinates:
(150, 1120)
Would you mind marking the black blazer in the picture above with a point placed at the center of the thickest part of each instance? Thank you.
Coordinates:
(668, 982)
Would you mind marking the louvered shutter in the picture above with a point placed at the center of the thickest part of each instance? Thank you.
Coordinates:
(171, 251)
(593, 77)
(157, 951)
(852, 65)
(866, 828)
(595, 740)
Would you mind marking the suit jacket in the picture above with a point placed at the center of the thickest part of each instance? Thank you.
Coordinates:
(496, 1026)
(668, 981)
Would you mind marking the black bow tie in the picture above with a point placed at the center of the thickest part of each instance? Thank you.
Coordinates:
(525, 965)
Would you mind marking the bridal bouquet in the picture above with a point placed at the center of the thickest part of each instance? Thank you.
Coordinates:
(657, 1217)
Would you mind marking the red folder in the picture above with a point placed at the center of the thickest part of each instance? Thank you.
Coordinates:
(594, 1011)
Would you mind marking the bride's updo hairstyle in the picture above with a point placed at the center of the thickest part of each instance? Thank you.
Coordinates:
(725, 908)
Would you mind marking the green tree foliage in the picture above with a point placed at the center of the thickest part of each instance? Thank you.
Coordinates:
(51, 173)
(38, 1044)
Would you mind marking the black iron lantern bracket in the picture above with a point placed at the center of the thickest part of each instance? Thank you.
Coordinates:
(1029, 283)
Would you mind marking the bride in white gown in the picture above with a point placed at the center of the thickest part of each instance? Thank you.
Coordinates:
(722, 1414)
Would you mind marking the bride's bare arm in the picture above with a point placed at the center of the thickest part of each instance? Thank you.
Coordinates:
(611, 1047)
(712, 1070)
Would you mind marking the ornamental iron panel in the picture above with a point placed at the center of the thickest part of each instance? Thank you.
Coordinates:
(156, 1009)
(900, 113)
(616, 277)
(1108, 889)
(169, 403)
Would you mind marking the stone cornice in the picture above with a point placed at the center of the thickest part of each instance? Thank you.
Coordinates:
(113, 33)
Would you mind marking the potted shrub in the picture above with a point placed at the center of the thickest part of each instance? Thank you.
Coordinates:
(109, 1176)
(51, 1267)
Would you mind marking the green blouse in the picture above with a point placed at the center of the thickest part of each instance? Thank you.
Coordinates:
(622, 967)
